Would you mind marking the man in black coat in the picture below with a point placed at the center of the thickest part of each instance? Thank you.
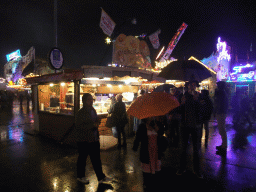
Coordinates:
(120, 119)
(191, 119)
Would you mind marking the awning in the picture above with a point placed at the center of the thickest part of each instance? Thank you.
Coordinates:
(65, 75)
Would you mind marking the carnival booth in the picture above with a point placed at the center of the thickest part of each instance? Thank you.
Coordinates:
(58, 97)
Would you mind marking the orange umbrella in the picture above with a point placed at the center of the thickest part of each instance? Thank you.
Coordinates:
(152, 104)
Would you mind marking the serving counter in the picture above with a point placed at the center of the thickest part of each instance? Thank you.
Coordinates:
(58, 97)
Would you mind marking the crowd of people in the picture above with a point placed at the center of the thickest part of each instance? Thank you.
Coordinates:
(7, 98)
(189, 119)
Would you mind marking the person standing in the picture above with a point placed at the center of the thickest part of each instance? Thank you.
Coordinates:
(87, 137)
(190, 110)
(207, 109)
(120, 119)
(148, 137)
(221, 105)
(21, 98)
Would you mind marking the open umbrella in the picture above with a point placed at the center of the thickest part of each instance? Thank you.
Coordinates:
(164, 88)
(152, 104)
(185, 70)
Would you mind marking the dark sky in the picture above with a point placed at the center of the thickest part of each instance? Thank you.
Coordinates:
(31, 23)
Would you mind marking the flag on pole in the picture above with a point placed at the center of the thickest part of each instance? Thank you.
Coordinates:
(106, 23)
(154, 39)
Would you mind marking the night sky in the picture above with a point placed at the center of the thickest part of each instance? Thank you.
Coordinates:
(31, 23)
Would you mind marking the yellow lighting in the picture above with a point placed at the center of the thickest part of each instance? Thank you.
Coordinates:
(51, 85)
(109, 85)
(202, 64)
(92, 78)
(160, 53)
(94, 85)
(62, 84)
(160, 65)
(120, 85)
(108, 40)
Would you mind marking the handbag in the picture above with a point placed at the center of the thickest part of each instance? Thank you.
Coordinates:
(110, 121)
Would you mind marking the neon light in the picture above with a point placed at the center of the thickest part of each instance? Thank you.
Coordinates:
(160, 53)
(223, 53)
(202, 64)
(239, 75)
(174, 42)
(13, 56)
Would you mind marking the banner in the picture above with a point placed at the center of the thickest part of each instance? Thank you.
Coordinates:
(130, 51)
(174, 42)
(106, 23)
(154, 39)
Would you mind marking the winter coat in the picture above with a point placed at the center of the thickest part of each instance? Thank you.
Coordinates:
(119, 114)
(142, 137)
(85, 129)
(191, 111)
(221, 102)
(207, 108)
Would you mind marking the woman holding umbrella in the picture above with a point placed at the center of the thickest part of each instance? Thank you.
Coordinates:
(149, 135)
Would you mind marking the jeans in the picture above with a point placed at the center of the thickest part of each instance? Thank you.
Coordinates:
(221, 119)
(120, 130)
(205, 125)
(196, 139)
(93, 150)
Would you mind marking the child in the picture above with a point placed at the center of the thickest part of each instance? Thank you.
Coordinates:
(150, 154)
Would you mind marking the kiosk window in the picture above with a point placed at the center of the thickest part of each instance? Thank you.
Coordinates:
(56, 98)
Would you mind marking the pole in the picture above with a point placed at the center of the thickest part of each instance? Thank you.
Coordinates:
(55, 22)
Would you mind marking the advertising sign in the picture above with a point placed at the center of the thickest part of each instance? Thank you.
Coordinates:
(13, 56)
(106, 23)
(130, 51)
(56, 58)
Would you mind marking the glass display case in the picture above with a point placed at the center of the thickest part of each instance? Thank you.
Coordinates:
(102, 96)
(56, 98)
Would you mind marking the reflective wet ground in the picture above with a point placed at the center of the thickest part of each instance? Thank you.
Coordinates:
(35, 163)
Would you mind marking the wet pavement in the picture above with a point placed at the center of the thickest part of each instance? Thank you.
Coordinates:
(35, 163)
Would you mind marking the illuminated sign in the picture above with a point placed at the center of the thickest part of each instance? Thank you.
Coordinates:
(222, 50)
(243, 73)
(13, 56)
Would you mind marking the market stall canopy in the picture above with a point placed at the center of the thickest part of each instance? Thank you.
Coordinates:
(184, 70)
(65, 75)
(112, 72)
(164, 88)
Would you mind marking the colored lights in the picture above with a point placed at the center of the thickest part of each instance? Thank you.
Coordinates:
(222, 50)
(243, 73)
(13, 56)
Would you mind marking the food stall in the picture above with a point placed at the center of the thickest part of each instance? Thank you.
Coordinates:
(58, 97)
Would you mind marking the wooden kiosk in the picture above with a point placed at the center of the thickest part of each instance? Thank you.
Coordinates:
(58, 97)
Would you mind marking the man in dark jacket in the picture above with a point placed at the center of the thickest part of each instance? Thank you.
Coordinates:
(207, 109)
(120, 119)
(87, 137)
(221, 106)
(191, 119)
